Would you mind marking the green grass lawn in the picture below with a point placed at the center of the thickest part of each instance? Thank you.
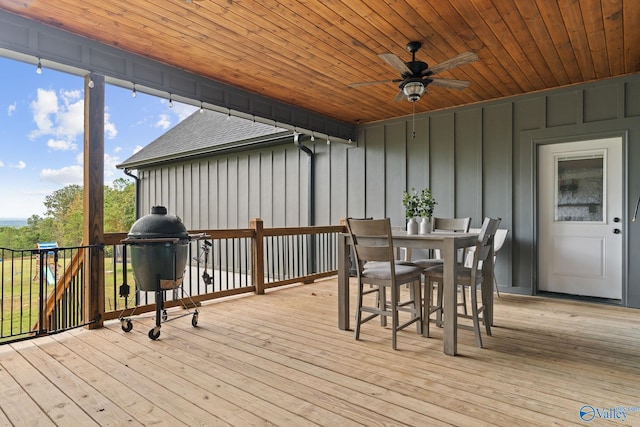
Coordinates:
(19, 293)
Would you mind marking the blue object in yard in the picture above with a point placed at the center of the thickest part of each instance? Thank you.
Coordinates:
(51, 278)
(48, 245)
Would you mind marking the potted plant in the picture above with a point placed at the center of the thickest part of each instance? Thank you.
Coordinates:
(426, 204)
(418, 205)
(410, 203)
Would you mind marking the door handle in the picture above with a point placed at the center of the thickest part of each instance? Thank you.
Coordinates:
(616, 231)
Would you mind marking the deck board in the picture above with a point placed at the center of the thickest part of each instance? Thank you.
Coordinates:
(280, 359)
(75, 356)
(44, 390)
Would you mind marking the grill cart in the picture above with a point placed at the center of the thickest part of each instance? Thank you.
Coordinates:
(159, 244)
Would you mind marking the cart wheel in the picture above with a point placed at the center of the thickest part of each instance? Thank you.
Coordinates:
(194, 320)
(154, 333)
(164, 315)
(127, 326)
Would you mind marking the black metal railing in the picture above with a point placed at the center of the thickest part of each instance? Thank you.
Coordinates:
(42, 290)
(300, 255)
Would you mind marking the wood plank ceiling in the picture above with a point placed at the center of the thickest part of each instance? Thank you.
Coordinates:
(306, 53)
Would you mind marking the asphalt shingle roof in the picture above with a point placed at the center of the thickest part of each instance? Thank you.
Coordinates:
(201, 133)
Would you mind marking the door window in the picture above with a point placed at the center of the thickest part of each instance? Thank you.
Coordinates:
(580, 188)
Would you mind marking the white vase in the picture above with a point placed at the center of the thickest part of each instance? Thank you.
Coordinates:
(425, 226)
(412, 226)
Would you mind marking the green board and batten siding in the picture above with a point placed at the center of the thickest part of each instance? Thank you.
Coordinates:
(479, 160)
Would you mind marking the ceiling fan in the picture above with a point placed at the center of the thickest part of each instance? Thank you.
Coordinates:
(417, 75)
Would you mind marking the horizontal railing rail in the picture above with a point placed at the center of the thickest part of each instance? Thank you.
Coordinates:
(232, 262)
(44, 291)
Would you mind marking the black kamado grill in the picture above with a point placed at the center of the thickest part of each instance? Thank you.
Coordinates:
(159, 247)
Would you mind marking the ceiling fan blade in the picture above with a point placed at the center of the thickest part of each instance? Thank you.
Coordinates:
(456, 61)
(399, 96)
(373, 83)
(395, 62)
(450, 83)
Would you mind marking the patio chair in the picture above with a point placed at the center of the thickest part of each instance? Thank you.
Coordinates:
(456, 225)
(376, 266)
(498, 241)
(467, 277)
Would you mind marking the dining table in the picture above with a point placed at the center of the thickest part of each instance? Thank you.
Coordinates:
(449, 243)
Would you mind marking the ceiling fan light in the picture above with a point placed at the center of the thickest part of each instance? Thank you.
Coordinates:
(413, 90)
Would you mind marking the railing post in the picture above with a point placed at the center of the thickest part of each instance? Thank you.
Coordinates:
(93, 224)
(43, 320)
(344, 263)
(258, 255)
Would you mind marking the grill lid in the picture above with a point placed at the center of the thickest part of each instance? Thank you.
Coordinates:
(158, 224)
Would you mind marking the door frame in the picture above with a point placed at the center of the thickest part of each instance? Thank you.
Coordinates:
(542, 139)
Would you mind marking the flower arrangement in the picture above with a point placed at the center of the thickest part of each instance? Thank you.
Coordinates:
(418, 204)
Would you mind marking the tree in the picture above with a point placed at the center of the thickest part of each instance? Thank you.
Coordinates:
(65, 207)
(58, 203)
(72, 222)
(9, 237)
(38, 230)
(119, 206)
(63, 220)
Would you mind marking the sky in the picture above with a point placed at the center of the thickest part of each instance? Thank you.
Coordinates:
(41, 133)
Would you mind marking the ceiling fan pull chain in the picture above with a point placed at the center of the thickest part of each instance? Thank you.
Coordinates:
(413, 131)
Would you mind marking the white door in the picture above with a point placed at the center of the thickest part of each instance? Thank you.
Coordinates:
(580, 218)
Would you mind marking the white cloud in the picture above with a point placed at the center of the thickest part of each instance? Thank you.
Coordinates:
(110, 130)
(19, 165)
(11, 108)
(45, 105)
(163, 122)
(71, 96)
(61, 145)
(137, 148)
(74, 174)
(110, 169)
(69, 120)
(67, 175)
(180, 110)
(61, 116)
(117, 149)
(1, 164)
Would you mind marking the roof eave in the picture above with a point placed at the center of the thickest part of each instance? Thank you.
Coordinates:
(258, 142)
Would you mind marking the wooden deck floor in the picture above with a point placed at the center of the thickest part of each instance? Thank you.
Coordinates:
(279, 359)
